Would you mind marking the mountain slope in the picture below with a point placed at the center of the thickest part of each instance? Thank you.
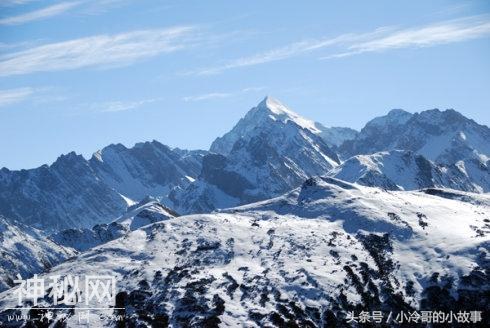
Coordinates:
(145, 212)
(268, 152)
(401, 170)
(25, 251)
(148, 168)
(303, 259)
(63, 195)
(74, 193)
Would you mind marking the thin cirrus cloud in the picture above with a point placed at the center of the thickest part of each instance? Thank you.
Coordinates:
(120, 106)
(220, 95)
(431, 35)
(381, 39)
(12, 96)
(88, 7)
(207, 96)
(13, 2)
(97, 51)
(280, 53)
(42, 13)
(33, 95)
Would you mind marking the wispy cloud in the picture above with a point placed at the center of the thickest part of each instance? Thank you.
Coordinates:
(16, 45)
(42, 13)
(253, 89)
(426, 36)
(39, 95)
(207, 96)
(101, 50)
(12, 96)
(43, 95)
(280, 53)
(13, 2)
(84, 7)
(119, 105)
(380, 39)
(220, 95)
(97, 7)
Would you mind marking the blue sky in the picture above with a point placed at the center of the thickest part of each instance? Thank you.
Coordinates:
(78, 75)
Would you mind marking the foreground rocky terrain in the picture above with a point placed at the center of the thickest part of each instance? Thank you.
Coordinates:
(305, 259)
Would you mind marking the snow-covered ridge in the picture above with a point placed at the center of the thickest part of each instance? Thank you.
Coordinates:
(403, 170)
(146, 212)
(65, 194)
(442, 136)
(148, 168)
(446, 138)
(25, 251)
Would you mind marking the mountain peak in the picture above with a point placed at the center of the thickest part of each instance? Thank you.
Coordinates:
(397, 112)
(395, 116)
(70, 157)
(269, 110)
(275, 106)
(275, 110)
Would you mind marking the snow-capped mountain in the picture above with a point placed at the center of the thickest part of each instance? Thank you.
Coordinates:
(304, 259)
(63, 195)
(25, 251)
(258, 118)
(444, 137)
(75, 193)
(148, 168)
(268, 152)
(401, 170)
(271, 109)
(148, 211)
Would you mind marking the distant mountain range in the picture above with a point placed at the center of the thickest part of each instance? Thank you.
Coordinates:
(77, 193)
(270, 151)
